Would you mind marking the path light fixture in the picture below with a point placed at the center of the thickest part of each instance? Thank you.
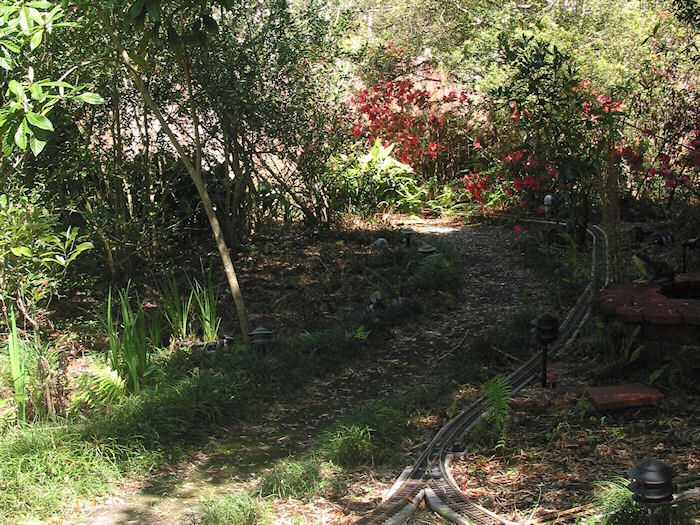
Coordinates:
(652, 484)
(690, 244)
(545, 328)
(407, 234)
(260, 337)
(426, 249)
(548, 206)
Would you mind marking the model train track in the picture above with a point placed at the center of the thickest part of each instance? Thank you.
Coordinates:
(430, 477)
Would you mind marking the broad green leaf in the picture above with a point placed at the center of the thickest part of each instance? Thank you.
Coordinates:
(35, 15)
(36, 91)
(36, 39)
(136, 9)
(3, 201)
(90, 98)
(84, 246)
(61, 260)
(11, 46)
(7, 143)
(21, 251)
(36, 145)
(5, 64)
(40, 4)
(15, 87)
(39, 121)
(210, 24)
(153, 8)
(52, 83)
(20, 138)
(23, 20)
(54, 15)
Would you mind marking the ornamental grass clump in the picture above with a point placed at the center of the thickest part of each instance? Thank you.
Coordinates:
(129, 350)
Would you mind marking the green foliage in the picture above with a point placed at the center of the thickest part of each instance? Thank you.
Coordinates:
(377, 179)
(688, 11)
(498, 392)
(436, 273)
(236, 508)
(369, 435)
(27, 101)
(175, 309)
(614, 500)
(99, 388)
(44, 468)
(348, 445)
(129, 348)
(294, 479)
(206, 299)
(33, 257)
(19, 373)
(557, 257)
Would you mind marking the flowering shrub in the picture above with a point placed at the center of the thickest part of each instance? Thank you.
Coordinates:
(428, 129)
(554, 128)
(666, 118)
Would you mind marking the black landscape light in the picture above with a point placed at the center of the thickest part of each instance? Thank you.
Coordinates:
(545, 329)
(260, 337)
(407, 234)
(652, 484)
(426, 249)
(690, 244)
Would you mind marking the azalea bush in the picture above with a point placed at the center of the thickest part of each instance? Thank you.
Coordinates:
(664, 122)
(407, 104)
(554, 129)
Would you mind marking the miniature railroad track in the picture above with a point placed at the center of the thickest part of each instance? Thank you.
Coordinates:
(430, 477)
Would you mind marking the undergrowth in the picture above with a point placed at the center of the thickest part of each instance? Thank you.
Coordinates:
(115, 431)
(295, 479)
(237, 508)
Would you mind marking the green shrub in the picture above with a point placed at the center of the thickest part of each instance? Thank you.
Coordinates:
(44, 469)
(294, 479)
(348, 445)
(237, 508)
(614, 501)
(436, 273)
(369, 435)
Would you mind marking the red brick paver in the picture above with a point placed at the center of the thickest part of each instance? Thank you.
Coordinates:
(637, 303)
(623, 396)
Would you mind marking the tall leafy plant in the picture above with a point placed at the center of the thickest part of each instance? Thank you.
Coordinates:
(180, 31)
(205, 297)
(19, 374)
(129, 350)
(175, 308)
(33, 254)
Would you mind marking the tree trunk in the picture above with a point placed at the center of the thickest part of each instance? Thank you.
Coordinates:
(196, 176)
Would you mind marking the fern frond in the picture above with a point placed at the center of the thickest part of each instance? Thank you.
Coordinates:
(498, 394)
(99, 388)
